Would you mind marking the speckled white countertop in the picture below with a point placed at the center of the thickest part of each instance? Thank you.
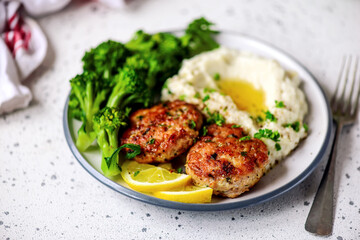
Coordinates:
(46, 194)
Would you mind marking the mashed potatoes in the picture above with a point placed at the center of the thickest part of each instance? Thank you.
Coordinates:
(248, 90)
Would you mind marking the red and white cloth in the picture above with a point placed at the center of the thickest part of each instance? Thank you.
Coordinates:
(23, 47)
(22, 50)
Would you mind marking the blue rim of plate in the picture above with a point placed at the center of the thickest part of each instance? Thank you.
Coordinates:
(207, 206)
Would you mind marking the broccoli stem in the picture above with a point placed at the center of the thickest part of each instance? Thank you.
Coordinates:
(86, 134)
(106, 74)
(89, 101)
(117, 94)
(132, 99)
(98, 100)
(115, 98)
(85, 139)
(77, 93)
(108, 142)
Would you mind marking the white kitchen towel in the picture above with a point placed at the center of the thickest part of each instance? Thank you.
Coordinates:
(13, 95)
(22, 49)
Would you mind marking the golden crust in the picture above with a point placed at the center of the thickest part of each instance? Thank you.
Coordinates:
(164, 131)
(226, 164)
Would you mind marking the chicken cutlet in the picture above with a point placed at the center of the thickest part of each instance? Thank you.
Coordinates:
(163, 131)
(227, 162)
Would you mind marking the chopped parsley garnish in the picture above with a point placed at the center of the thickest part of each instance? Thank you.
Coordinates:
(259, 119)
(140, 117)
(182, 97)
(243, 154)
(197, 95)
(208, 140)
(305, 127)
(179, 170)
(295, 126)
(217, 76)
(136, 173)
(151, 141)
(192, 124)
(245, 138)
(267, 133)
(216, 118)
(270, 116)
(209, 90)
(279, 104)
(204, 131)
(207, 97)
(277, 147)
(162, 125)
(134, 151)
(235, 126)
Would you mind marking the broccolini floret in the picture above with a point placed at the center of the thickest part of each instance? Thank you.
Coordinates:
(129, 89)
(107, 123)
(153, 67)
(105, 59)
(165, 43)
(90, 92)
(162, 52)
(199, 37)
(143, 65)
(141, 41)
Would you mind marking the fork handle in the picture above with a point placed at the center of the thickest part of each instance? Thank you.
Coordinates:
(320, 219)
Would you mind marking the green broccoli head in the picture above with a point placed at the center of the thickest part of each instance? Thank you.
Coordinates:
(106, 58)
(140, 63)
(90, 92)
(141, 41)
(154, 67)
(110, 119)
(129, 89)
(147, 67)
(164, 66)
(163, 43)
(199, 37)
(169, 44)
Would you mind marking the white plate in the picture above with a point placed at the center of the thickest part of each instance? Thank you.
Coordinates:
(287, 174)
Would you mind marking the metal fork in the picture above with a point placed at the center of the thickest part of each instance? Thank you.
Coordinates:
(320, 219)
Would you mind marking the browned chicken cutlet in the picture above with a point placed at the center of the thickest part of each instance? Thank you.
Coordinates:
(164, 131)
(225, 163)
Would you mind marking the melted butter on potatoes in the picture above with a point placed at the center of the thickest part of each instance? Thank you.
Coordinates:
(244, 95)
(246, 89)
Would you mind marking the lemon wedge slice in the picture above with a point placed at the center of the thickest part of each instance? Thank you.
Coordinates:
(149, 178)
(190, 194)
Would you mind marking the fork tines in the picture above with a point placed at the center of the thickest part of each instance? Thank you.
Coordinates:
(348, 85)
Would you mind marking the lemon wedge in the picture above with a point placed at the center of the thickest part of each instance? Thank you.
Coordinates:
(149, 178)
(190, 194)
